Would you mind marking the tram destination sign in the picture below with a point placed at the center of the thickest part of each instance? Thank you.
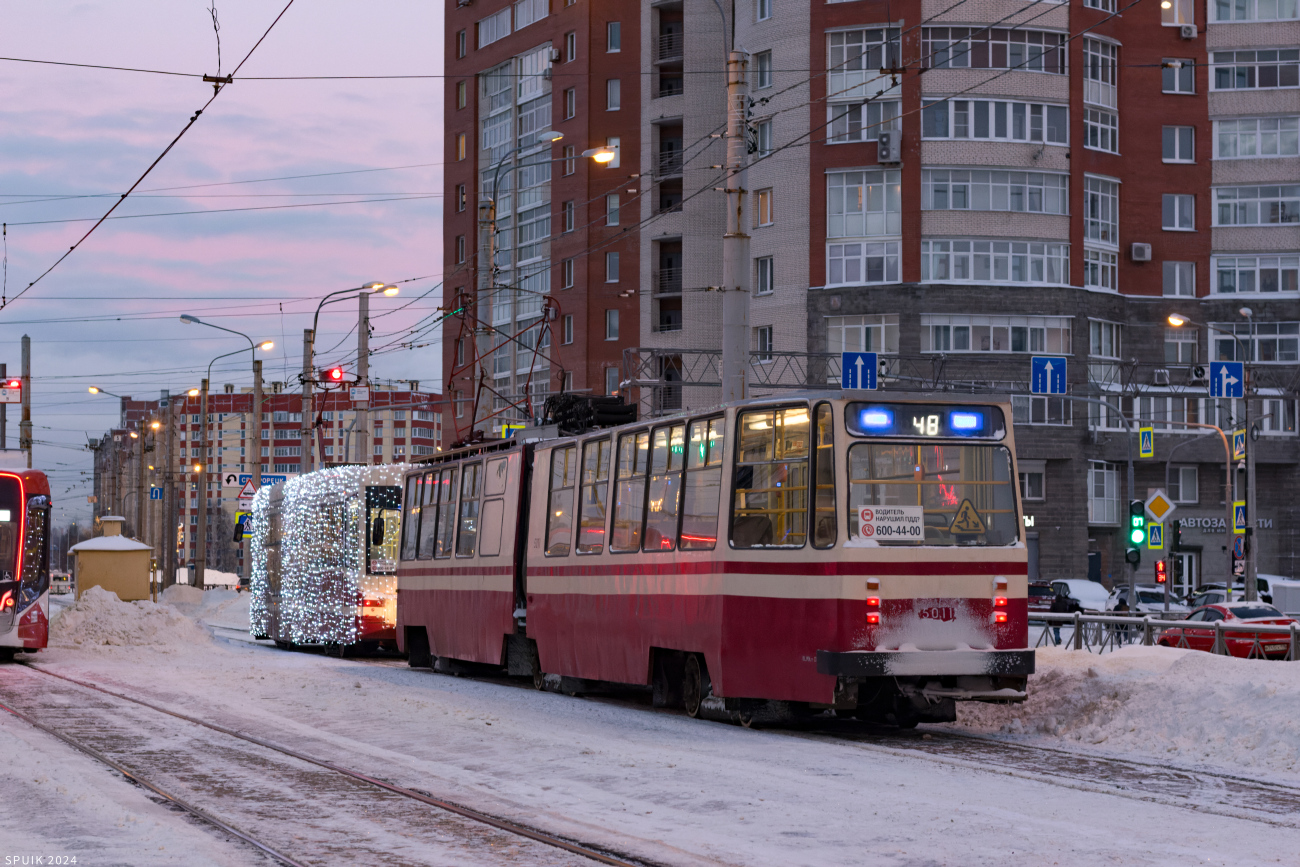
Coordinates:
(892, 523)
(925, 420)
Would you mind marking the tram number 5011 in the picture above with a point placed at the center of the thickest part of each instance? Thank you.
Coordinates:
(926, 425)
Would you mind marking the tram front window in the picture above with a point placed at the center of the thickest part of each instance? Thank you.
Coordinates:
(963, 494)
(770, 502)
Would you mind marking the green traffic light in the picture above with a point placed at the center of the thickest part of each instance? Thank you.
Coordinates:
(1138, 536)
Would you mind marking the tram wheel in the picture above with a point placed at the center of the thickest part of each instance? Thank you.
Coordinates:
(693, 686)
(7, 654)
(539, 676)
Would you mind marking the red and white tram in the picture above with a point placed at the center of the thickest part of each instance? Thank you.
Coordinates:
(24, 561)
(856, 551)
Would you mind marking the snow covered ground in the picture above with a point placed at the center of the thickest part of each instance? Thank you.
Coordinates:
(687, 792)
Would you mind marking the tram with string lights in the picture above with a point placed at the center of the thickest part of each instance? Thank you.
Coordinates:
(24, 562)
(759, 562)
(324, 572)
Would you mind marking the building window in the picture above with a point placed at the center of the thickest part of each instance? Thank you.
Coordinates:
(570, 47)
(494, 27)
(1100, 62)
(611, 209)
(462, 94)
(854, 59)
(1180, 279)
(1257, 137)
(570, 154)
(763, 207)
(1177, 212)
(1036, 409)
(763, 10)
(861, 121)
(870, 333)
(763, 138)
(1100, 270)
(611, 325)
(863, 204)
(763, 339)
(1262, 341)
(995, 262)
(566, 216)
(1101, 130)
(460, 197)
(1248, 274)
(459, 400)
(1103, 493)
(1180, 12)
(858, 263)
(566, 274)
(611, 267)
(1032, 474)
(970, 333)
(995, 120)
(613, 94)
(1104, 339)
(461, 48)
(1176, 144)
(570, 103)
(613, 36)
(985, 48)
(764, 276)
(461, 150)
(1256, 70)
(615, 144)
(1257, 206)
(762, 70)
(978, 190)
(1178, 75)
(460, 352)
(1255, 10)
(567, 329)
(460, 249)
(1181, 345)
(1101, 211)
(1183, 484)
(530, 11)
(611, 380)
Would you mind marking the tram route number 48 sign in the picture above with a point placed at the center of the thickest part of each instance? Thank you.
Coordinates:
(892, 523)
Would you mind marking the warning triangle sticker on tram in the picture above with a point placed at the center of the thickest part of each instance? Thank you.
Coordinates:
(247, 491)
(967, 521)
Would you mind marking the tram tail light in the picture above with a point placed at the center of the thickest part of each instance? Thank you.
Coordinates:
(873, 610)
(999, 602)
(999, 617)
(7, 600)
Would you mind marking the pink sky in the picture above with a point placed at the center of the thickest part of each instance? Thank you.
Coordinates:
(66, 131)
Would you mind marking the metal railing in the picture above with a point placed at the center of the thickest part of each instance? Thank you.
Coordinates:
(670, 163)
(671, 46)
(1098, 633)
(668, 281)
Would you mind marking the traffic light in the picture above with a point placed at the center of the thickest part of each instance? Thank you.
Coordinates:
(1175, 536)
(1162, 573)
(1137, 531)
(333, 375)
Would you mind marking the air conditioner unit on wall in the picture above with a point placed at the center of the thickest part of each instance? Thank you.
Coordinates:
(1141, 252)
(889, 147)
(1187, 31)
(555, 55)
(1196, 374)
(1160, 376)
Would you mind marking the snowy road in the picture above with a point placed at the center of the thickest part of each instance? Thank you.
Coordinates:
(659, 785)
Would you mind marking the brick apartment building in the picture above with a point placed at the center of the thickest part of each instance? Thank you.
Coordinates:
(1065, 177)
(405, 424)
(559, 303)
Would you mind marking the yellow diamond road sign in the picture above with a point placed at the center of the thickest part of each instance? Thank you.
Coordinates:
(1159, 506)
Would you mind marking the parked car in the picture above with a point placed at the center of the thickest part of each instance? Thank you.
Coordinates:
(1150, 600)
(1266, 585)
(1240, 644)
(1041, 595)
(1084, 595)
(1214, 594)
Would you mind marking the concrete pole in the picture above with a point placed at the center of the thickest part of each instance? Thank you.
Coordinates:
(1252, 584)
(201, 542)
(257, 423)
(308, 376)
(735, 243)
(363, 378)
(25, 426)
(167, 536)
(141, 522)
(487, 224)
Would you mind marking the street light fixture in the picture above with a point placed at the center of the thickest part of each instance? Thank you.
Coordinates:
(601, 155)
(94, 389)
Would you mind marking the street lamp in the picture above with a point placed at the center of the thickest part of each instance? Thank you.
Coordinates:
(94, 389)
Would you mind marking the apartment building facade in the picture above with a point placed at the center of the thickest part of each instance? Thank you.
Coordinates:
(557, 302)
(1059, 179)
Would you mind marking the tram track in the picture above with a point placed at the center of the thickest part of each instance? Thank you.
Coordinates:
(587, 852)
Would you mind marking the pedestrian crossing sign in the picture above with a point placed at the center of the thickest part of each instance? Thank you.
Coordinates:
(1146, 443)
(1155, 536)
(1239, 516)
(1238, 445)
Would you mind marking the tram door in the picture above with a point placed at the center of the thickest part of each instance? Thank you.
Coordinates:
(1187, 571)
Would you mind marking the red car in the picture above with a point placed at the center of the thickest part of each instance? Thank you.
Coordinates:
(1041, 595)
(1240, 644)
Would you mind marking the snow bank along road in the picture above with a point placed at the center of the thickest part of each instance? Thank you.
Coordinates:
(657, 785)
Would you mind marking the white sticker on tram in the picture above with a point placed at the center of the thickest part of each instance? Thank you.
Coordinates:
(892, 523)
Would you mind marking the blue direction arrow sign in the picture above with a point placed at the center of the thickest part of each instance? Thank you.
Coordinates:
(1146, 443)
(155, 493)
(1227, 379)
(1047, 374)
(1239, 516)
(858, 370)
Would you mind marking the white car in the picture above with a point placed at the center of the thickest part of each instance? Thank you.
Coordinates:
(1086, 596)
(1150, 600)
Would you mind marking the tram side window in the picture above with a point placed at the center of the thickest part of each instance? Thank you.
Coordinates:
(411, 525)
(824, 479)
(467, 536)
(593, 495)
(446, 494)
(428, 493)
(629, 492)
(667, 454)
(36, 571)
(770, 502)
(559, 514)
(703, 488)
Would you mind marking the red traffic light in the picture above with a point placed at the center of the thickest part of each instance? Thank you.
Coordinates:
(13, 383)
(1161, 571)
(334, 374)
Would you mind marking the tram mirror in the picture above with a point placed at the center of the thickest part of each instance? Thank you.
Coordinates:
(377, 532)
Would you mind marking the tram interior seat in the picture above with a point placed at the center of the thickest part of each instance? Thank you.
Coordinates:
(751, 531)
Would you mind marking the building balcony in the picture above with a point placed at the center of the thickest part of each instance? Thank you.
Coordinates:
(671, 85)
(669, 163)
(670, 48)
(668, 281)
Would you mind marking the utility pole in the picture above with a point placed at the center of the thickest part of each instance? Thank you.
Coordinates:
(257, 423)
(735, 243)
(1250, 578)
(487, 220)
(363, 377)
(141, 522)
(305, 429)
(25, 426)
(167, 523)
(201, 543)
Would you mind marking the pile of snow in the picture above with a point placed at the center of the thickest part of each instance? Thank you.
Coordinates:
(217, 607)
(100, 618)
(1159, 702)
(211, 577)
